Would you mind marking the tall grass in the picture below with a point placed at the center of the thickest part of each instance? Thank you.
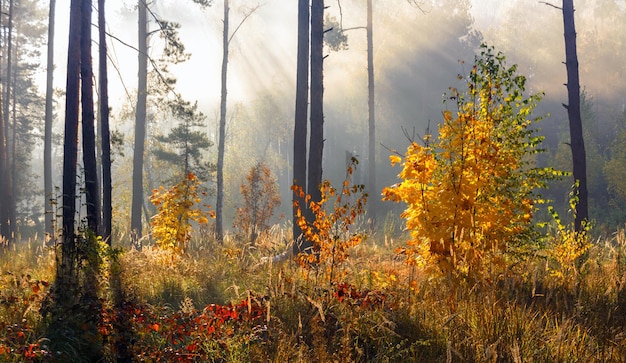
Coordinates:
(380, 311)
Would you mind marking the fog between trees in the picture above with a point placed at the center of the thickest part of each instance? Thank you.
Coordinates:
(417, 56)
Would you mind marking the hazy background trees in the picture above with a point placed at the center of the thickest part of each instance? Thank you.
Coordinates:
(416, 53)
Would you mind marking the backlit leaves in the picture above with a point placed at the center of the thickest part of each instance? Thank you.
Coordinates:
(331, 228)
(177, 208)
(470, 195)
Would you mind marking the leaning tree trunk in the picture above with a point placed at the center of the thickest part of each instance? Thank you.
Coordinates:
(107, 210)
(219, 231)
(92, 189)
(300, 124)
(140, 123)
(47, 150)
(577, 142)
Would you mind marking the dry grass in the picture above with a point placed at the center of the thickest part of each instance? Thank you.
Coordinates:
(393, 315)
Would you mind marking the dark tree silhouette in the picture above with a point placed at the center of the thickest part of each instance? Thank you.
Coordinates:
(316, 141)
(226, 39)
(92, 188)
(577, 142)
(9, 197)
(300, 124)
(107, 210)
(70, 143)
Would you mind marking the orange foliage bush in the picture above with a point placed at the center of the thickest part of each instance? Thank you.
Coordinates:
(470, 194)
(260, 198)
(330, 229)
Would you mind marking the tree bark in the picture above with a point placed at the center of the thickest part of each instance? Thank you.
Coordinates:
(577, 142)
(316, 141)
(372, 118)
(14, 148)
(4, 196)
(301, 114)
(219, 232)
(47, 151)
(92, 189)
(140, 123)
(9, 226)
(7, 80)
(107, 210)
(70, 145)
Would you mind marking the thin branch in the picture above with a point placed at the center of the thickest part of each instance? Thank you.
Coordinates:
(246, 16)
(417, 5)
(353, 28)
(117, 70)
(551, 5)
(340, 14)
(152, 61)
(393, 151)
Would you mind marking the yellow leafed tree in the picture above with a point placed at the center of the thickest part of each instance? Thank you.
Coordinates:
(470, 193)
(177, 208)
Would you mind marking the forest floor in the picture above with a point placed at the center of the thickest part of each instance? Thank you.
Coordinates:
(225, 303)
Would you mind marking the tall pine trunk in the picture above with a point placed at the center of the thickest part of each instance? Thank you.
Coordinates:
(371, 110)
(107, 209)
(316, 141)
(219, 231)
(4, 195)
(577, 142)
(47, 151)
(301, 114)
(92, 189)
(70, 145)
(140, 123)
(9, 232)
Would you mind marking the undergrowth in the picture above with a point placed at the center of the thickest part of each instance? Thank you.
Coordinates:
(225, 303)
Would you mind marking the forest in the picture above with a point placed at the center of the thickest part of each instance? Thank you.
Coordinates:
(312, 181)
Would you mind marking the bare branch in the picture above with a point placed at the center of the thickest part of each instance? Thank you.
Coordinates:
(340, 14)
(246, 16)
(152, 61)
(551, 5)
(417, 4)
(353, 28)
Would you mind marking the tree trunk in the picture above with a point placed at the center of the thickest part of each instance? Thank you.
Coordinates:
(140, 123)
(219, 232)
(92, 190)
(70, 143)
(372, 118)
(14, 144)
(300, 124)
(4, 178)
(9, 66)
(107, 210)
(47, 151)
(9, 226)
(316, 141)
(577, 142)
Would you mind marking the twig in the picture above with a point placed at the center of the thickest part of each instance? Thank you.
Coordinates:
(552, 5)
(246, 16)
